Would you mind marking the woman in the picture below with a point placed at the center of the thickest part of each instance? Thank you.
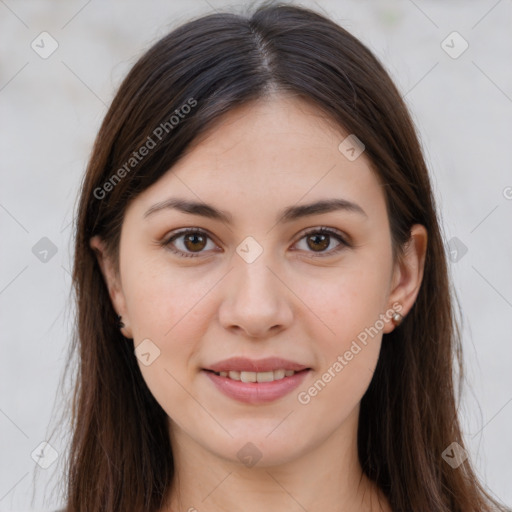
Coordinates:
(264, 310)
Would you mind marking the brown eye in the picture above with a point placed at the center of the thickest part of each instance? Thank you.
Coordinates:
(190, 242)
(319, 239)
(318, 242)
(194, 242)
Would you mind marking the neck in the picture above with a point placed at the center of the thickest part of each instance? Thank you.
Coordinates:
(328, 478)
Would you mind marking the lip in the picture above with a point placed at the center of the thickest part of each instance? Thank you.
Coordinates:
(257, 392)
(268, 364)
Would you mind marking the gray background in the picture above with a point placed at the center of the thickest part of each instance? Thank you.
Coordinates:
(52, 108)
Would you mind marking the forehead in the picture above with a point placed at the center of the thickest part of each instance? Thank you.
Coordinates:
(280, 128)
(270, 153)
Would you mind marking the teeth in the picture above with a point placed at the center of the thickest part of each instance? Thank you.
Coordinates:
(248, 376)
(280, 374)
(257, 376)
(265, 376)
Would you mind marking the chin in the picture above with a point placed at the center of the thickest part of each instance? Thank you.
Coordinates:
(259, 448)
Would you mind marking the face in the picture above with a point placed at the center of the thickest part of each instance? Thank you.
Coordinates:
(259, 276)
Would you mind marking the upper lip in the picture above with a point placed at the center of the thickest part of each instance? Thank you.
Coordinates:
(240, 364)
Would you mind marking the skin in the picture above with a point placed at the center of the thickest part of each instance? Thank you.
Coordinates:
(290, 302)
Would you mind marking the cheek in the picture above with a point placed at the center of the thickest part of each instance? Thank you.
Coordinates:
(346, 301)
(349, 317)
(160, 299)
(170, 308)
(161, 311)
(348, 355)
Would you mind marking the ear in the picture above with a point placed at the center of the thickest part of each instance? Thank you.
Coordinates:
(408, 273)
(112, 281)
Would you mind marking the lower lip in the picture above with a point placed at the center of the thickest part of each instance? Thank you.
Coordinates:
(257, 392)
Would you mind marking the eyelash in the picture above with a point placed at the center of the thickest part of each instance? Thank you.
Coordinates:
(167, 243)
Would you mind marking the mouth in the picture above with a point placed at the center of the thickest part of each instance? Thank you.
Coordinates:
(256, 387)
(249, 376)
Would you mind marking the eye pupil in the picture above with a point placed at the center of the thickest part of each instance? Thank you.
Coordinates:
(324, 241)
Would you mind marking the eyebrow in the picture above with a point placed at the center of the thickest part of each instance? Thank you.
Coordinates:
(288, 214)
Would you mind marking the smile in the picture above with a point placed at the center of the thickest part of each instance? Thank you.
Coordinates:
(256, 387)
(247, 376)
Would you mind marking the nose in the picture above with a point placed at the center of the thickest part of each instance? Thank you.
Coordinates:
(256, 301)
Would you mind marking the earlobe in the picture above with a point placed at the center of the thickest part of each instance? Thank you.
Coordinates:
(409, 271)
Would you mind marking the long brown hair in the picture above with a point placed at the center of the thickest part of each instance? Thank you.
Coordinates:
(120, 456)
